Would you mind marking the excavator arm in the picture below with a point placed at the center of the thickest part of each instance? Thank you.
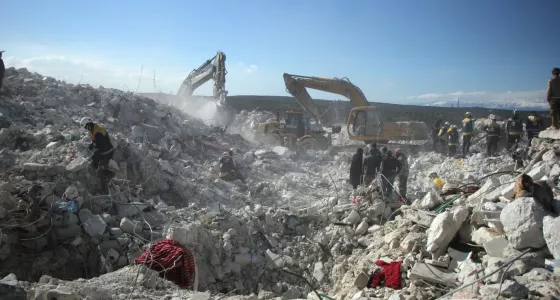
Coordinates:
(214, 68)
(297, 86)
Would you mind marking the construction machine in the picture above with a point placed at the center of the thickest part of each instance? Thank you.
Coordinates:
(213, 68)
(294, 131)
(364, 123)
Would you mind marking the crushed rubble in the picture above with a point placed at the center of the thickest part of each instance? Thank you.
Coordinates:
(293, 230)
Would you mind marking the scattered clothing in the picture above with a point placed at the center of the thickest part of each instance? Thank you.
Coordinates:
(389, 276)
(173, 262)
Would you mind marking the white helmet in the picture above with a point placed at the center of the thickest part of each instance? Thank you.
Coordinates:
(85, 121)
(447, 123)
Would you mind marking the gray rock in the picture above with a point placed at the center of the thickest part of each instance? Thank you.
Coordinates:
(523, 222)
(551, 231)
(510, 289)
(10, 292)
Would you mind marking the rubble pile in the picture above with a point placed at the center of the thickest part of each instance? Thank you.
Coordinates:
(294, 229)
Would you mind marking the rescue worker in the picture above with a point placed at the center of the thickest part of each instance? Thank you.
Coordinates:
(553, 96)
(228, 168)
(102, 151)
(533, 125)
(371, 164)
(390, 167)
(492, 135)
(356, 168)
(435, 130)
(442, 136)
(2, 70)
(514, 130)
(452, 140)
(403, 172)
(467, 130)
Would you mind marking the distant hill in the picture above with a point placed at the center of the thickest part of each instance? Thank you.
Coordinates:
(390, 112)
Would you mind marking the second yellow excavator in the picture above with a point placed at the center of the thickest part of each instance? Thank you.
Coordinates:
(364, 123)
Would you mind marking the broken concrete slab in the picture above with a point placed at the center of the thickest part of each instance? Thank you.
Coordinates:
(496, 246)
(490, 184)
(423, 271)
(443, 230)
(523, 223)
(421, 217)
(551, 230)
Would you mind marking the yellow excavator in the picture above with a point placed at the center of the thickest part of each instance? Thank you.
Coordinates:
(364, 123)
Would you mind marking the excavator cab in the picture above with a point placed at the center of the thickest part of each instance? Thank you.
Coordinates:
(364, 122)
(298, 124)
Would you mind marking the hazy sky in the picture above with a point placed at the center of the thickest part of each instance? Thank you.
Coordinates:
(394, 51)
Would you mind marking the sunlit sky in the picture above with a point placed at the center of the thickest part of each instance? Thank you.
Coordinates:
(395, 51)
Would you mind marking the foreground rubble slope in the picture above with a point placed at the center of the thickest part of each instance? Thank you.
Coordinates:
(294, 216)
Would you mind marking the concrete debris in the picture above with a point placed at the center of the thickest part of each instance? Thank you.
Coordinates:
(523, 223)
(62, 238)
(551, 228)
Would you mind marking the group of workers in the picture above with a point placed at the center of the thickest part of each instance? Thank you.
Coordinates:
(363, 170)
(448, 135)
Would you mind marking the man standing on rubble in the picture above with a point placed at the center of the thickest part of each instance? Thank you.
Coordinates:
(533, 125)
(514, 130)
(102, 151)
(435, 130)
(492, 135)
(356, 168)
(452, 140)
(468, 129)
(2, 70)
(403, 172)
(553, 97)
(442, 137)
(371, 164)
(390, 167)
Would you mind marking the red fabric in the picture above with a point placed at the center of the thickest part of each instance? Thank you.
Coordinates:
(172, 261)
(391, 274)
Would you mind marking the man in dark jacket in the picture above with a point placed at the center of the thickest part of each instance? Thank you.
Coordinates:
(356, 168)
(492, 136)
(228, 169)
(534, 125)
(102, 151)
(514, 130)
(435, 130)
(371, 164)
(553, 96)
(390, 167)
(403, 172)
(467, 129)
(2, 70)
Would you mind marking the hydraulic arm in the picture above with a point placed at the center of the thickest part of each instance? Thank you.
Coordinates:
(214, 68)
(297, 86)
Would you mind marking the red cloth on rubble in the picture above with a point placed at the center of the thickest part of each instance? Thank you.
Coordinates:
(391, 274)
(172, 261)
